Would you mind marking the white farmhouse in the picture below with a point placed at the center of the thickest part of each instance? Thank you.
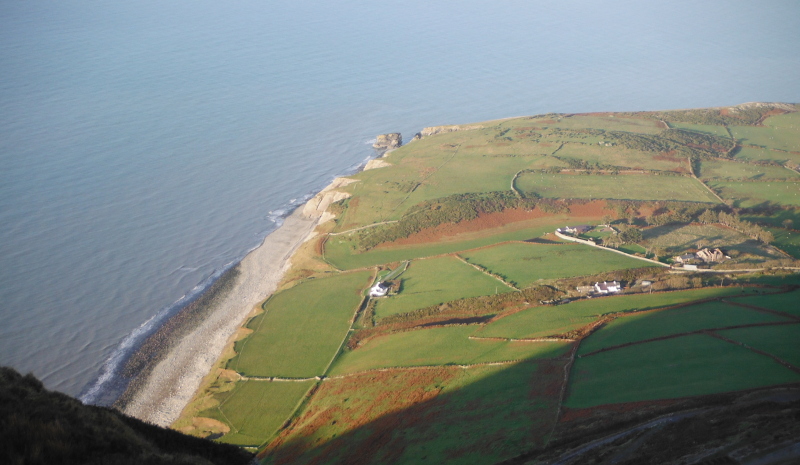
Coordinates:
(379, 290)
(607, 288)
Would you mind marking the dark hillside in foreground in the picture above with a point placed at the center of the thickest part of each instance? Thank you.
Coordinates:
(40, 426)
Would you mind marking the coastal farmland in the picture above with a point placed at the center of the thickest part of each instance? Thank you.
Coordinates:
(435, 281)
(301, 328)
(524, 263)
(493, 337)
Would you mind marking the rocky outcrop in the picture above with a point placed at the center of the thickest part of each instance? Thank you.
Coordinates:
(318, 205)
(388, 141)
(376, 163)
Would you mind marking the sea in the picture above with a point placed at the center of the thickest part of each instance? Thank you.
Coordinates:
(146, 146)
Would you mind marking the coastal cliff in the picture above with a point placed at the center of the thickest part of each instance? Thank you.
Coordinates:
(388, 141)
(318, 205)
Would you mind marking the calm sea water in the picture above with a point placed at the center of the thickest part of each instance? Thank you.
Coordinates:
(146, 145)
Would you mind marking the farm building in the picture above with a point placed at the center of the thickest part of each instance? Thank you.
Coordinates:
(607, 288)
(685, 258)
(709, 256)
(379, 290)
(580, 229)
(584, 289)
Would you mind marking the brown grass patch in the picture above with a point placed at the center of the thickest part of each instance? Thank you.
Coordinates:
(593, 209)
(572, 414)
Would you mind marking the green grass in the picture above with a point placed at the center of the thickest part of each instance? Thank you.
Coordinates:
(621, 157)
(442, 415)
(788, 302)
(788, 241)
(702, 128)
(779, 132)
(780, 341)
(339, 250)
(254, 410)
(439, 346)
(649, 325)
(525, 264)
(609, 123)
(437, 280)
(545, 321)
(756, 154)
(624, 187)
(680, 367)
(301, 328)
(748, 194)
(736, 170)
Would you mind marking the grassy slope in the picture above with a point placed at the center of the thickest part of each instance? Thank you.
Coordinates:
(787, 302)
(440, 346)
(671, 368)
(780, 341)
(524, 264)
(301, 328)
(254, 410)
(435, 281)
(544, 321)
(622, 187)
(642, 326)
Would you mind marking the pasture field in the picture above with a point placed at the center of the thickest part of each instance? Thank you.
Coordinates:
(620, 187)
(526, 263)
(685, 366)
(254, 410)
(788, 241)
(679, 238)
(545, 321)
(622, 157)
(608, 123)
(748, 194)
(649, 325)
(779, 132)
(780, 341)
(757, 154)
(434, 281)
(788, 302)
(473, 416)
(440, 346)
(702, 128)
(301, 328)
(340, 250)
(732, 170)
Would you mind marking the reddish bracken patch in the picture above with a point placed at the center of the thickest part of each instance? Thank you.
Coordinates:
(487, 221)
(593, 209)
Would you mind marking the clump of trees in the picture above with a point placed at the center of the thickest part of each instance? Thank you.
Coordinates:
(745, 227)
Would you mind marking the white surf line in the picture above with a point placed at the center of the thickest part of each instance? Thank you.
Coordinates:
(487, 273)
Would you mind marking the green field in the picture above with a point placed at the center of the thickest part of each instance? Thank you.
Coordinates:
(473, 416)
(440, 346)
(779, 132)
(788, 241)
(254, 410)
(733, 170)
(301, 328)
(623, 187)
(649, 325)
(339, 250)
(757, 154)
(437, 280)
(545, 321)
(788, 302)
(620, 157)
(685, 366)
(780, 341)
(749, 194)
(525, 264)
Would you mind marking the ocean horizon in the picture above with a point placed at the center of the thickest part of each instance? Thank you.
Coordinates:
(148, 147)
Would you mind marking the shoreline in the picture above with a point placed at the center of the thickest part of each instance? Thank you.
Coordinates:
(165, 390)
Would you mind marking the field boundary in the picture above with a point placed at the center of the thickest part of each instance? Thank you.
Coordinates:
(762, 309)
(486, 272)
(758, 351)
(592, 244)
(706, 331)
